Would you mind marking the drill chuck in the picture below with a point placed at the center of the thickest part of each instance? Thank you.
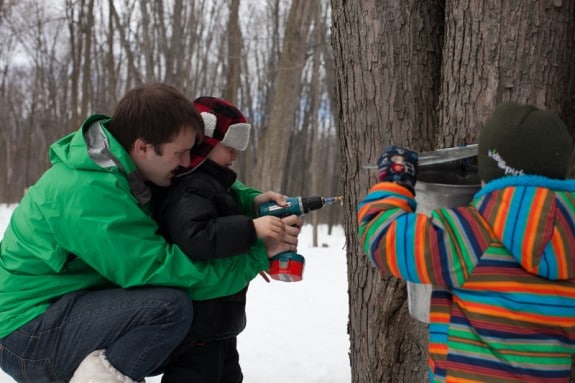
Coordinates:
(311, 203)
(295, 205)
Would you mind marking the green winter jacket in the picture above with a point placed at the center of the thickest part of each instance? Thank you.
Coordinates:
(85, 225)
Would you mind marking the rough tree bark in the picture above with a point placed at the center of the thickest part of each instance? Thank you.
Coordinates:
(497, 51)
(387, 57)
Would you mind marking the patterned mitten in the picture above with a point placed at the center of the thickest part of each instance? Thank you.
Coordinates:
(398, 165)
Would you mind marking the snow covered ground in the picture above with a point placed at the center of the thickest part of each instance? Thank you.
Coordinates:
(296, 332)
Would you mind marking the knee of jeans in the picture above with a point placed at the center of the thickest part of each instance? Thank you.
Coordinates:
(181, 303)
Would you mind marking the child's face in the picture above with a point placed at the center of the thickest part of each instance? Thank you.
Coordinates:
(223, 155)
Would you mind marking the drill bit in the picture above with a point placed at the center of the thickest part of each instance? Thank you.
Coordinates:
(332, 200)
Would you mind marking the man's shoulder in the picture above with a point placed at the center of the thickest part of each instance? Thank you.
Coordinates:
(63, 183)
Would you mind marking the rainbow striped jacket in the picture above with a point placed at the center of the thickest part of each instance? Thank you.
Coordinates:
(502, 270)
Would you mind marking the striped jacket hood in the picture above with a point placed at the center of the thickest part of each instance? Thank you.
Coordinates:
(534, 219)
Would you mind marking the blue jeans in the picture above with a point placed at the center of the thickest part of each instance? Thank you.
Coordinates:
(139, 328)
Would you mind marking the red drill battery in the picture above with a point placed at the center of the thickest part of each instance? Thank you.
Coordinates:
(287, 267)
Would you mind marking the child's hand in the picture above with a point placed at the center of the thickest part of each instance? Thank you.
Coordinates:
(278, 198)
(293, 224)
(269, 227)
(398, 165)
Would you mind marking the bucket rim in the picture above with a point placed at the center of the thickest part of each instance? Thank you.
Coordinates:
(448, 185)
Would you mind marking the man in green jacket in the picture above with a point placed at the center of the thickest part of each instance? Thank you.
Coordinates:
(88, 290)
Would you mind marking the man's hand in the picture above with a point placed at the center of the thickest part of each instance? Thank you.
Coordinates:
(289, 240)
(275, 247)
(293, 228)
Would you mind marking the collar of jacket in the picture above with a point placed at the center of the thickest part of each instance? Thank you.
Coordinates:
(527, 180)
(224, 175)
(104, 152)
(98, 141)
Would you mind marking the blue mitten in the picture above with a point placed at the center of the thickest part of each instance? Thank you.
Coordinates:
(398, 165)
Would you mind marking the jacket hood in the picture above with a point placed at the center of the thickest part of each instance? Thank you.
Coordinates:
(103, 151)
(92, 147)
(533, 218)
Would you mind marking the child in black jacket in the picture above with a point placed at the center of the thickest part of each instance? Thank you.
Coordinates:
(201, 211)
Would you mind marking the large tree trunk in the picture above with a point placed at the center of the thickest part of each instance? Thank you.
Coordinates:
(387, 59)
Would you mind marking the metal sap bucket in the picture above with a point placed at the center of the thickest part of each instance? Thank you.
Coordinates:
(450, 184)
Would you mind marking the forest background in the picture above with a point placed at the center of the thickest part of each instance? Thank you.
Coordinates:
(325, 84)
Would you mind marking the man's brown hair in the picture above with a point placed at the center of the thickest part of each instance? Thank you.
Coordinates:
(155, 113)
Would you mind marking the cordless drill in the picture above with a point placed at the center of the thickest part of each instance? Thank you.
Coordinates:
(288, 266)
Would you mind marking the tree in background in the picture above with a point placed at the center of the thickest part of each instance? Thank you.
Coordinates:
(65, 60)
(425, 75)
(285, 97)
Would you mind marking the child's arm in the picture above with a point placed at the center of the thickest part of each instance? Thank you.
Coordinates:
(440, 250)
(193, 223)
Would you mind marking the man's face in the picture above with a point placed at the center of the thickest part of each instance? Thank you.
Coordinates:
(159, 169)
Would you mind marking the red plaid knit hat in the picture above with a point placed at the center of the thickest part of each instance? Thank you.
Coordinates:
(223, 123)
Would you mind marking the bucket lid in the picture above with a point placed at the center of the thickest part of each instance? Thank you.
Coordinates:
(441, 156)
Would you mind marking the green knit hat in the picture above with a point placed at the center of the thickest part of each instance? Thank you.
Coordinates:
(522, 139)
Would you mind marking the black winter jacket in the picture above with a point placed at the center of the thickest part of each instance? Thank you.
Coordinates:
(199, 214)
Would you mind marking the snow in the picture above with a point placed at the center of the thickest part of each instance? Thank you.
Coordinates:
(296, 332)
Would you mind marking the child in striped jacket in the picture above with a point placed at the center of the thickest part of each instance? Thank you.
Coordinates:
(502, 268)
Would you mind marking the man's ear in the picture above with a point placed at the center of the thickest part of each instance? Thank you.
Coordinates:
(140, 148)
